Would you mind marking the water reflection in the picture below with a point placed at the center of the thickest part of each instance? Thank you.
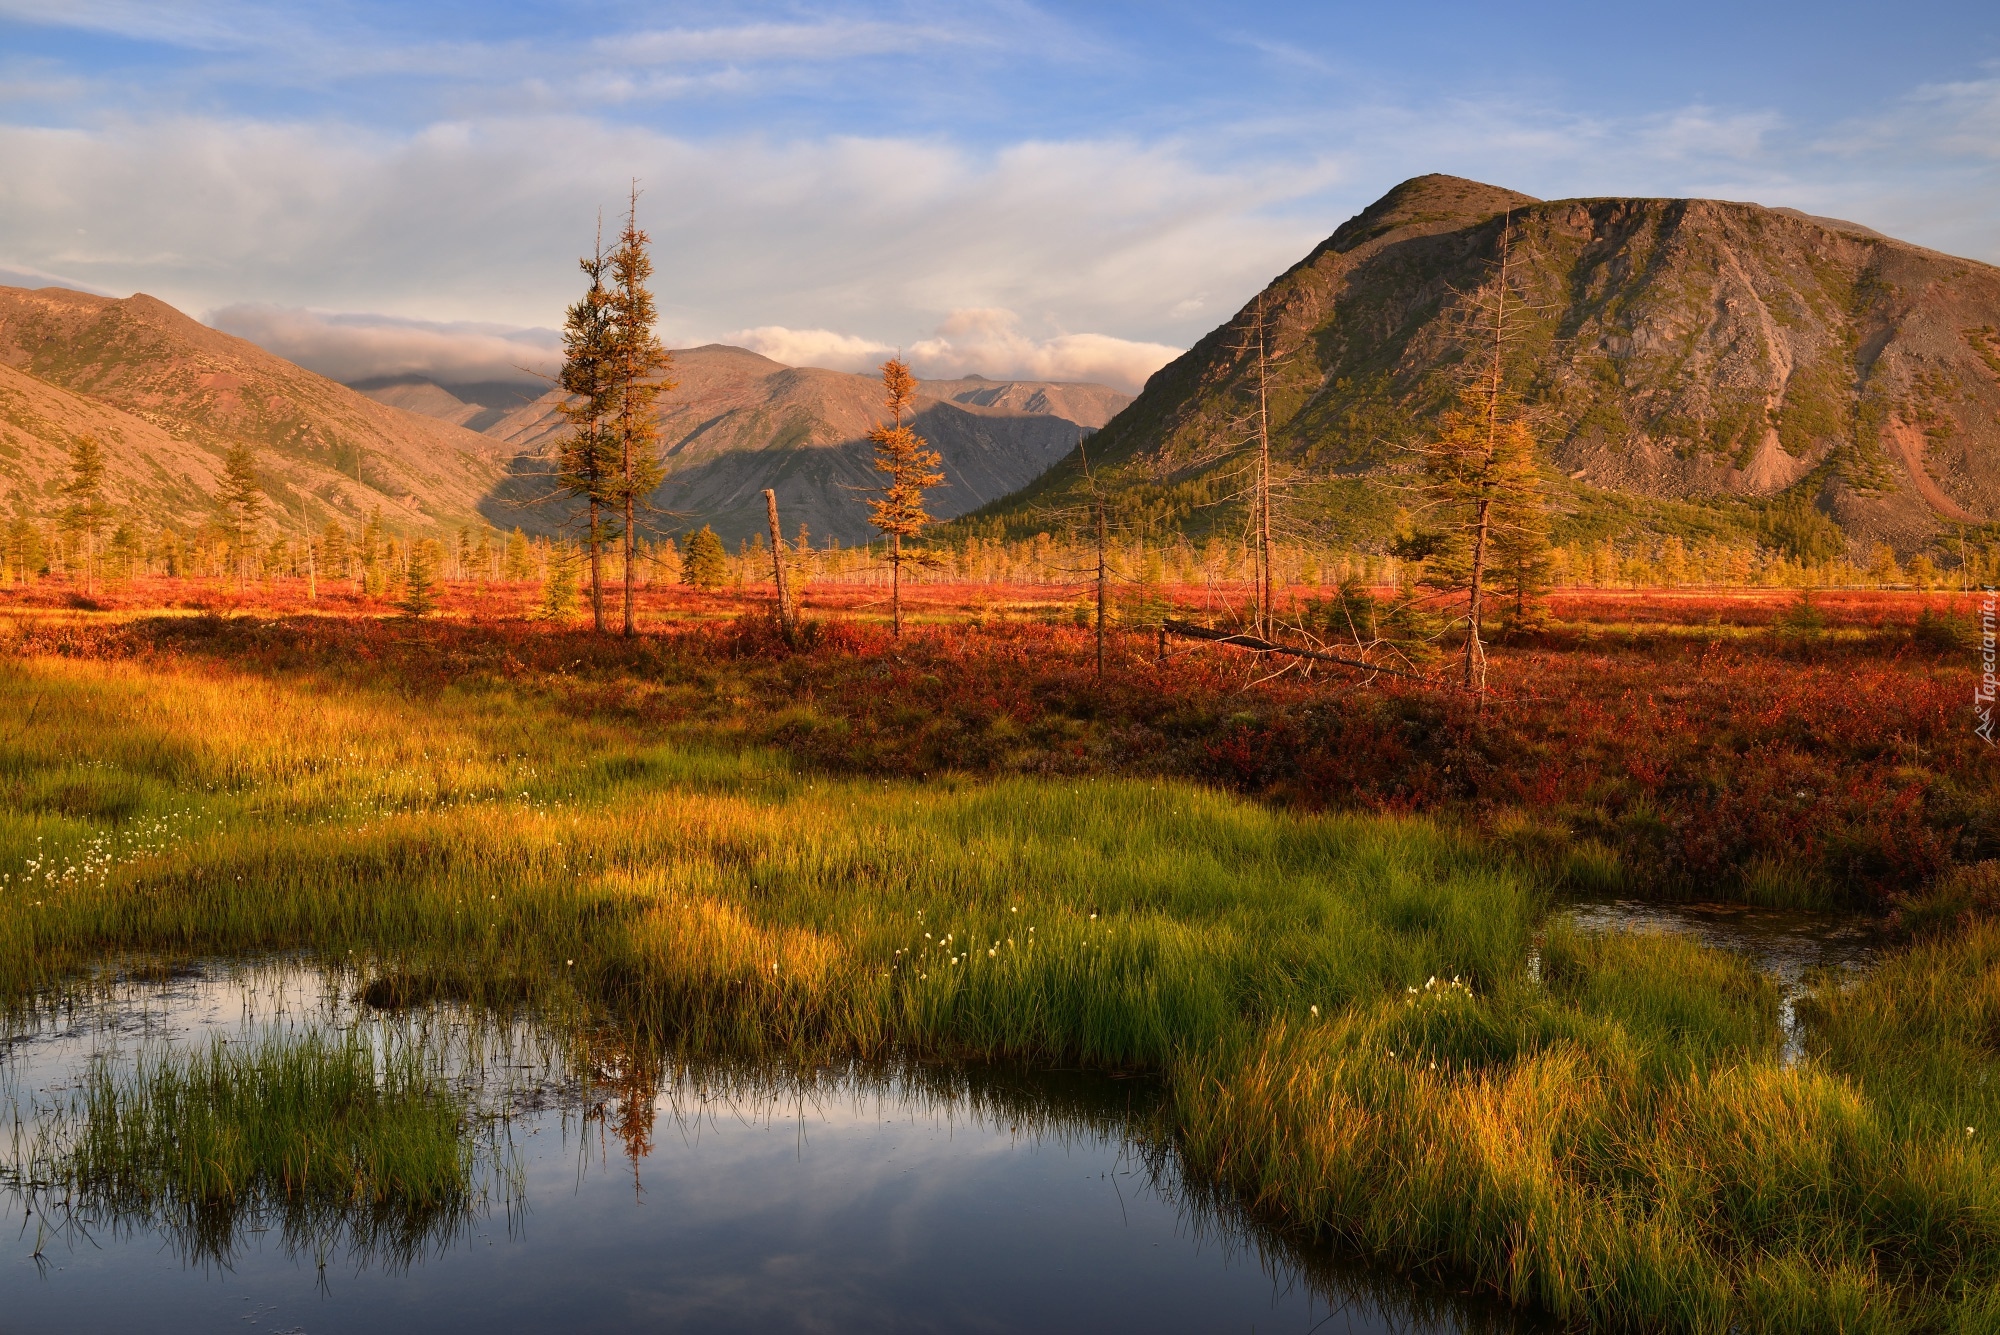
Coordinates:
(624, 1187)
(1793, 947)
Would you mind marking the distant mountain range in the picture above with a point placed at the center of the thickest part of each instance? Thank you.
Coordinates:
(738, 423)
(169, 397)
(1691, 364)
(1689, 361)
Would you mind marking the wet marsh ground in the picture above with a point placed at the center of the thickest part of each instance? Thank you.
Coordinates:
(1371, 1029)
(612, 1187)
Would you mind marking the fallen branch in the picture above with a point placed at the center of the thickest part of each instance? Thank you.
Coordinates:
(1187, 630)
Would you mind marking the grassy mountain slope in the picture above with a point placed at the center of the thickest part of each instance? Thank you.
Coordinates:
(738, 423)
(1688, 357)
(38, 421)
(170, 396)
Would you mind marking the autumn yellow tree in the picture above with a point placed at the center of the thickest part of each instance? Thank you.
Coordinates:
(912, 468)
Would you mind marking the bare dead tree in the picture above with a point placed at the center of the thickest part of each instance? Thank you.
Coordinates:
(787, 612)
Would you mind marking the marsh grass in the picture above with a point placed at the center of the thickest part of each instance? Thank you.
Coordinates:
(332, 1140)
(1339, 1006)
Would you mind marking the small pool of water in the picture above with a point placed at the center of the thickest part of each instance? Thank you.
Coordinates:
(1792, 947)
(660, 1197)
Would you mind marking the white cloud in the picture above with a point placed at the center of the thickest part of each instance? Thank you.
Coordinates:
(833, 249)
(361, 347)
(980, 341)
(992, 343)
(811, 347)
(832, 39)
(482, 221)
(17, 275)
(198, 24)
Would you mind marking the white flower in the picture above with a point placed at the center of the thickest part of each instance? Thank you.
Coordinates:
(1315, 1010)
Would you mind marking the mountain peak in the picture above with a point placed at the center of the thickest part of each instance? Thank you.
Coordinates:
(1424, 204)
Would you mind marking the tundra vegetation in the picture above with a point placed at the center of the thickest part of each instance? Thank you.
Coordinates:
(1320, 909)
(1315, 891)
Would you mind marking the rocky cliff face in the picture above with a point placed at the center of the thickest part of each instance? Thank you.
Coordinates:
(1679, 349)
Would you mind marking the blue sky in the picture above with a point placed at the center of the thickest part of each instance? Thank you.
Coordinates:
(1007, 187)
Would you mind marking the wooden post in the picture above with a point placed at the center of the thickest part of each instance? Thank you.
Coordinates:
(786, 616)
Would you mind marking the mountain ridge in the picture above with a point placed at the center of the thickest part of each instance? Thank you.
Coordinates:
(739, 422)
(169, 397)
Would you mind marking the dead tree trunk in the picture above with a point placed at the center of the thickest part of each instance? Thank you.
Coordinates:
(1475, 651)
(1103, 586)
(631, 563)
(1264, 603)
(596, 568)
(1258, 645)
(787, 617)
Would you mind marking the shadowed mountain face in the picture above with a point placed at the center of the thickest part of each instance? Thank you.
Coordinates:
(738, 423)
(1679, 349)
(474, 407)
(168, 397)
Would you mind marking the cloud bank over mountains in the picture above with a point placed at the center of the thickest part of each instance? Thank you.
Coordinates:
(367, 347)
(988, 342)
(994, 186)
(983, 341)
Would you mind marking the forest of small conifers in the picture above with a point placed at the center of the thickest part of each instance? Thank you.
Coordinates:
(375, 557)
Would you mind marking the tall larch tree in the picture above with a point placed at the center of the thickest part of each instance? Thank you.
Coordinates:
(241, 504)
(912, 468)
(586, 460)
(641, 373)
(84, 510)
(1479, 471)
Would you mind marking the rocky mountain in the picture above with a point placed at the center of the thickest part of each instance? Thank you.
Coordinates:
(169, 397)
(1683, 356)
(738, 423)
